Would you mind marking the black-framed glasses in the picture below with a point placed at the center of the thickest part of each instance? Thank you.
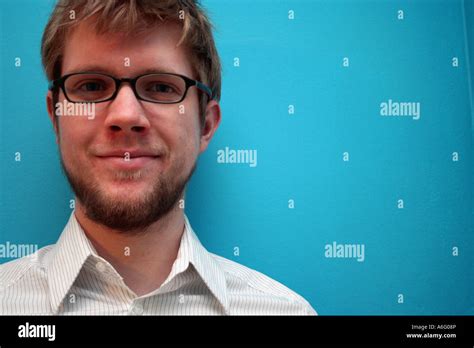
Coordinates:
(93, 87)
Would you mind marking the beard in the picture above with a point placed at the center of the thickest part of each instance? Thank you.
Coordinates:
(128, 216)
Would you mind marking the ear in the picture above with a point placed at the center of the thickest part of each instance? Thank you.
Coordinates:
(211, 122)
(52, 114)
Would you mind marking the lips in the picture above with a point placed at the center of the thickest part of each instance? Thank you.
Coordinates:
(128, 153)
(128, 158)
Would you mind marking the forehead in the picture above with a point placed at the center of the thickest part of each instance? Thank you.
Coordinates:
(126, 55)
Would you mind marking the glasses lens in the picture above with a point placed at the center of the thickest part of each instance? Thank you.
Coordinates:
(161, 88)
(89, 87)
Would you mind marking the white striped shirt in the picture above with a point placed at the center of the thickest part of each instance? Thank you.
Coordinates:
(70, 278)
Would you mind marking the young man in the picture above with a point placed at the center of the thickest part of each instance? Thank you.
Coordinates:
(147, 76)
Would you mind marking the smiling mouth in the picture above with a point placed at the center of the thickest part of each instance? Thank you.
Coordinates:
(132, 162)
(128, 158)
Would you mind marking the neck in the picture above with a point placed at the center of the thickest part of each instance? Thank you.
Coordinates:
(143, 259)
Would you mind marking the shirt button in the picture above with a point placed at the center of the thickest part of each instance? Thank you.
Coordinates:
(137, 309)
(100, 266)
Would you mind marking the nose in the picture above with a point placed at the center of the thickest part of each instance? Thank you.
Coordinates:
(125, 113)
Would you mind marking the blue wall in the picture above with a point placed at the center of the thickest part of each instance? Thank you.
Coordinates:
(421, 248)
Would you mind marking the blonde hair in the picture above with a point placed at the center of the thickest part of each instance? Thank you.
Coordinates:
(132, 17)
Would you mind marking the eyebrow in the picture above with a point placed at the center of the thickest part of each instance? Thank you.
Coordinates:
(104, 70)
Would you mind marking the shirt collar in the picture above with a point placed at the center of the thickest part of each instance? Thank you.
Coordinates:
(74, 248)
(206, 266)
(69, 256)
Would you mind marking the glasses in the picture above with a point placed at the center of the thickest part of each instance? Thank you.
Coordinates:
(91, 87)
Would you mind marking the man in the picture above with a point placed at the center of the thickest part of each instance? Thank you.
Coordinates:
(147, 76)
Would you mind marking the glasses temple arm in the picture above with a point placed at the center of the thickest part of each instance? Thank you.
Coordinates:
(206, 89)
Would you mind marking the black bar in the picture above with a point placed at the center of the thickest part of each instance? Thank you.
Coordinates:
(171, 330)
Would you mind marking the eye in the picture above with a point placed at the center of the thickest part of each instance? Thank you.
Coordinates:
(160, 87)
(91, 86)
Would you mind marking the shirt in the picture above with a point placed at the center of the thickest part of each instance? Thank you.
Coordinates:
(70, 278)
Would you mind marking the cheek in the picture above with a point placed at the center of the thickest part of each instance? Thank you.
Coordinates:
(74, 137)
(190, 141)
(182, 141)
(193, 123)
(191, 135)
(181, 131)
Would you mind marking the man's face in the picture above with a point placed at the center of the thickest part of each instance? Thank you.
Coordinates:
(129, 164)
